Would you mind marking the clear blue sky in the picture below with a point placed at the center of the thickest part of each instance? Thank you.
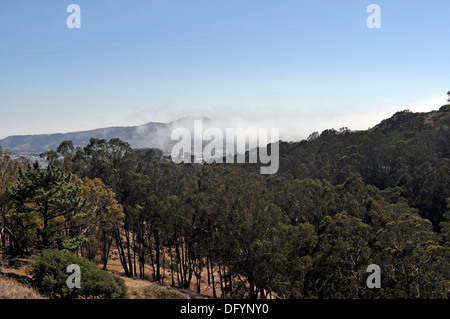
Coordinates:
(137, 61)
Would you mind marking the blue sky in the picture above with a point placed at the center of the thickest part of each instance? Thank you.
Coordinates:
(312, 64)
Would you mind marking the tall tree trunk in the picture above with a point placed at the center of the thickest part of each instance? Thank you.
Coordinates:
(212, 279)
(163, 264)
(221, 282)
(179, 266)
(208, 274)
(121, 251)
(157, 257)
(171, 266)
(45, 239)
(134, 253)
(128, 247)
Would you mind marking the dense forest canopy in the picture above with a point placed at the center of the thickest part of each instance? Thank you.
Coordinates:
(341, 200)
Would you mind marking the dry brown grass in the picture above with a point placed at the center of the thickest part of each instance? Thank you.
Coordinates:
(147, 289)
(144, 289)
(14, 279)
(11, 289)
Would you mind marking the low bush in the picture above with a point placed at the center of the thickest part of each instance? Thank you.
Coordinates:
(49, 271)
(162, 293)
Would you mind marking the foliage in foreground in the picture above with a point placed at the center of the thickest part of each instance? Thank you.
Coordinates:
(49, 273)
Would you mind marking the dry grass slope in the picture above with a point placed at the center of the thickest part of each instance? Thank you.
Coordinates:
(14, 283)
(137, 288)
(11, 289)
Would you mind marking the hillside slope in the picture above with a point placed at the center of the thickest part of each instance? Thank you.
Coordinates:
(410, 151)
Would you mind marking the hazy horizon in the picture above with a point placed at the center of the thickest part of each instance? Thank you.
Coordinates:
(292, 128)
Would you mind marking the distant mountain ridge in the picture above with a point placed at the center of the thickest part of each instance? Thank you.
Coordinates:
(150, 135)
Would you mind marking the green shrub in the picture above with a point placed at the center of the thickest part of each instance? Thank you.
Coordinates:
(49, 273)
(161, 293)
